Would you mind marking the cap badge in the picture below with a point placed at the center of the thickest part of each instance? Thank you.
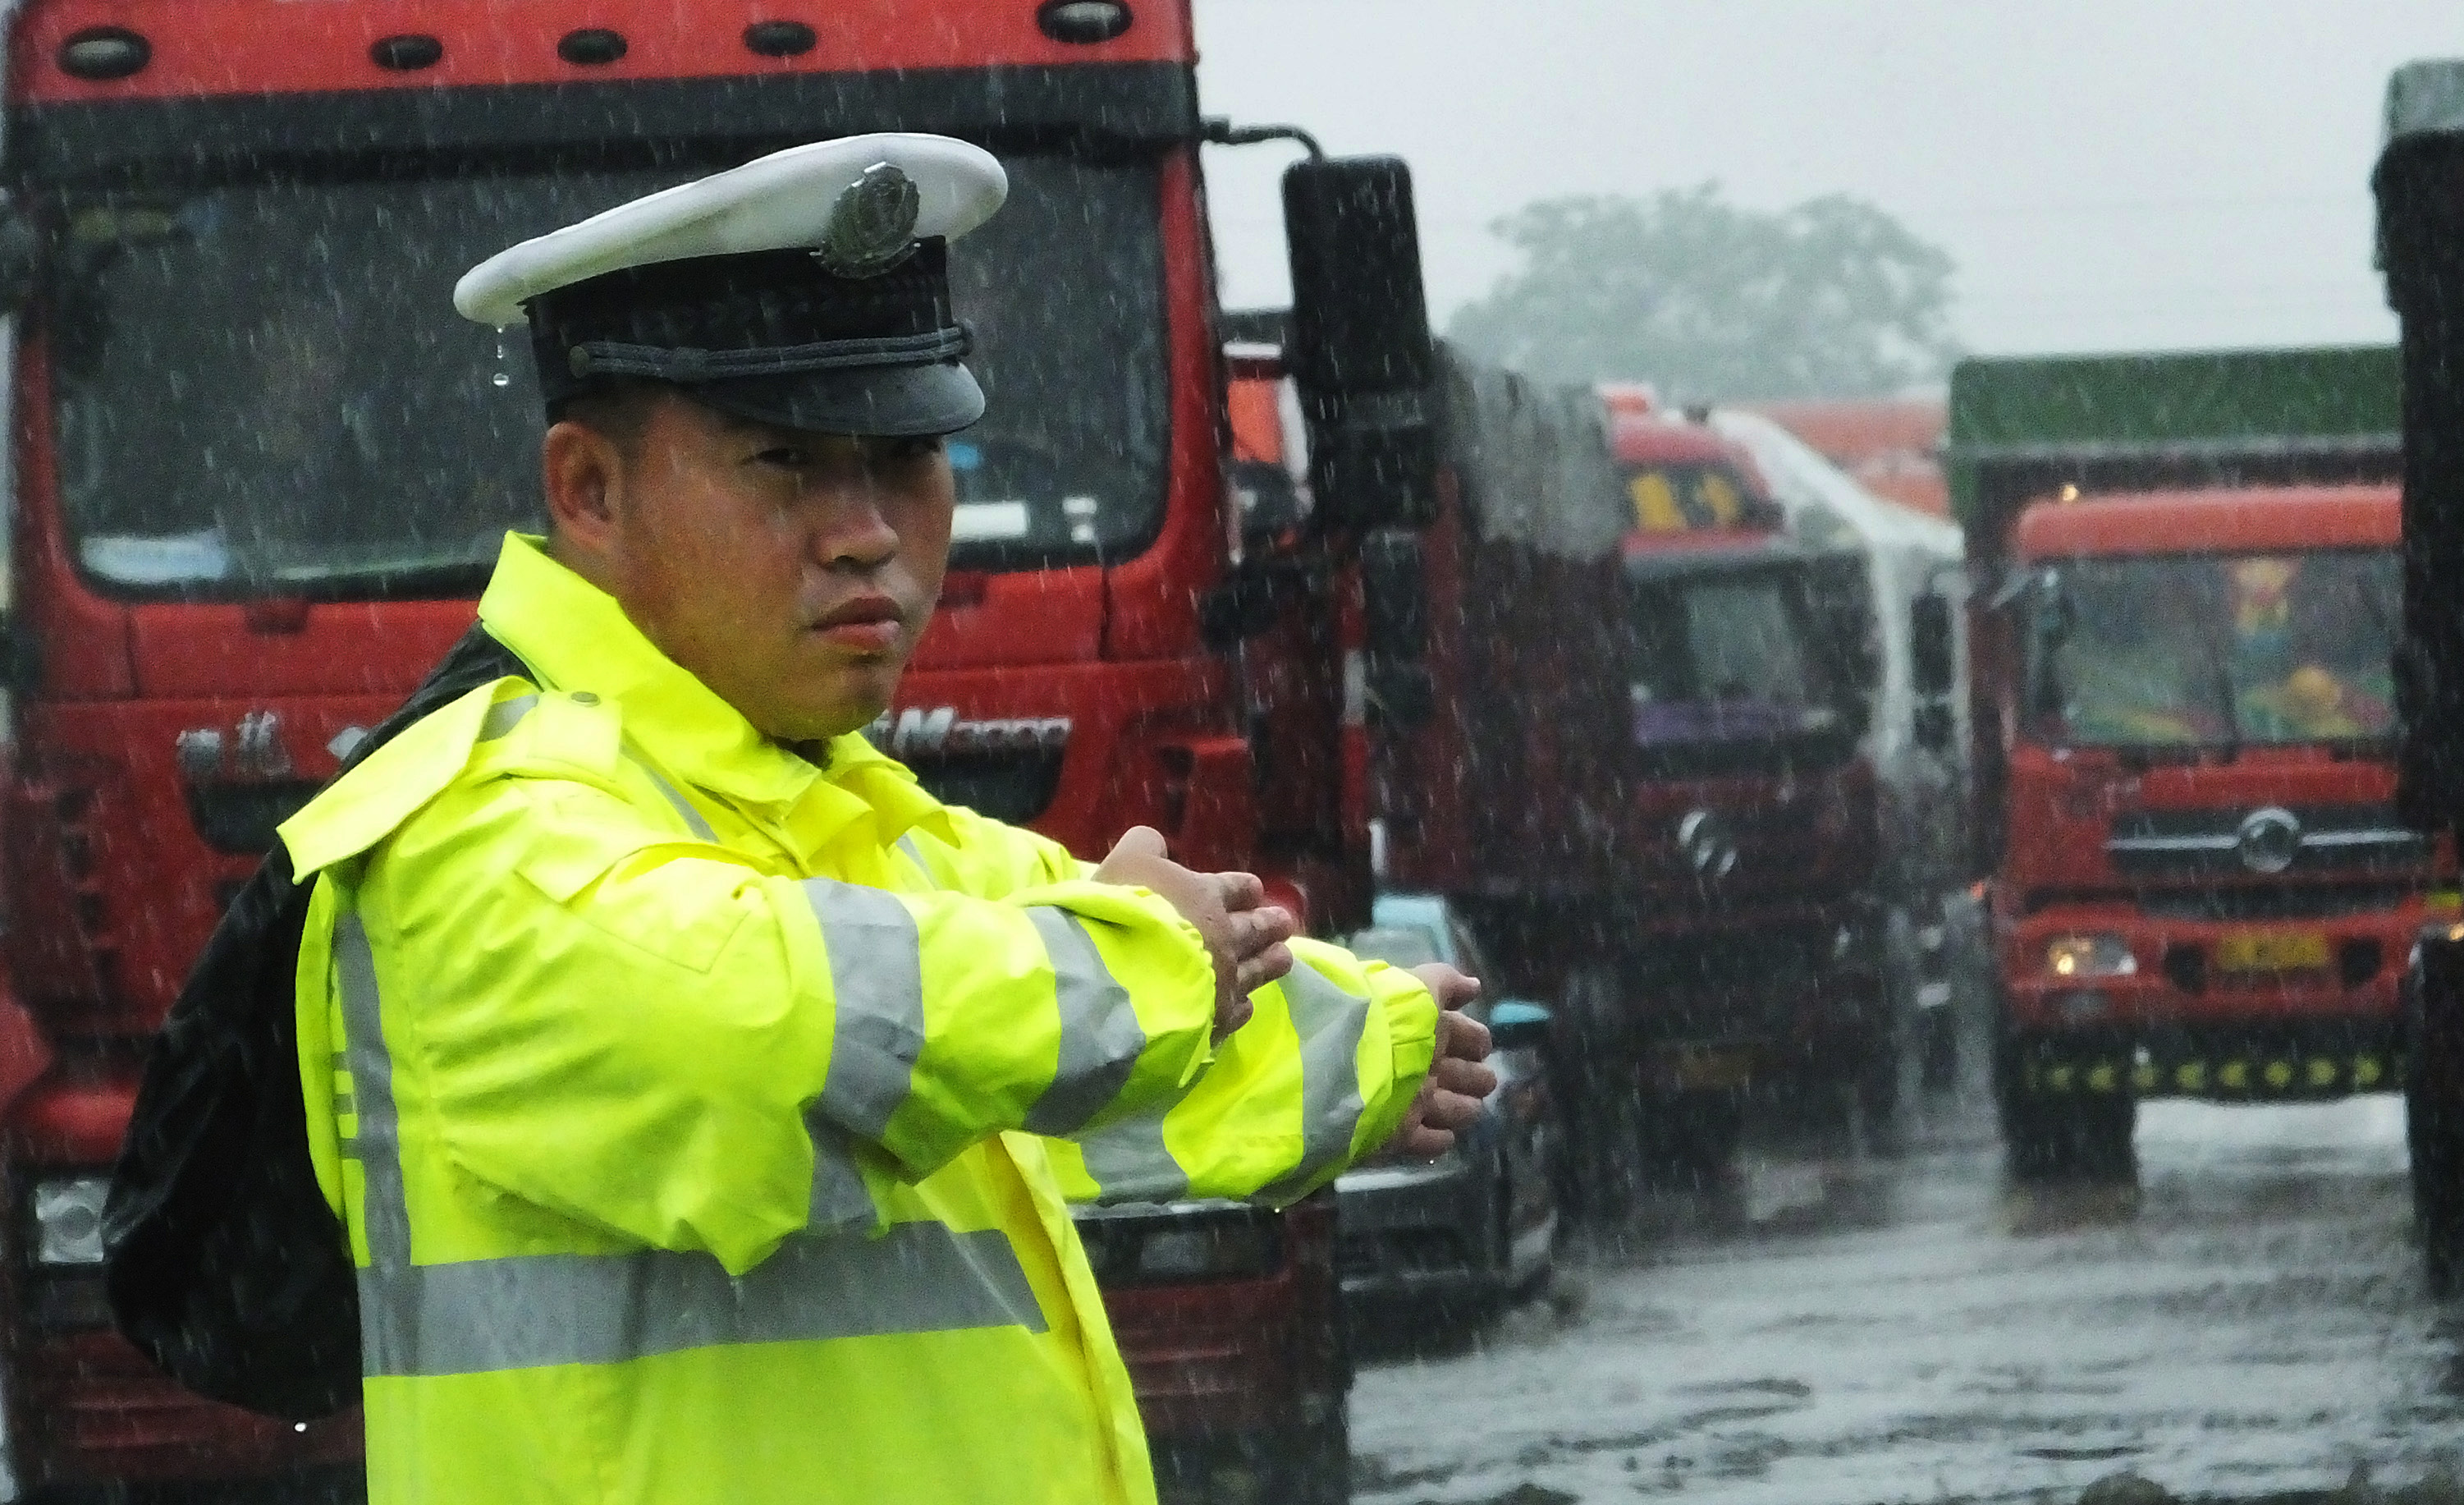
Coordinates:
(872, 226)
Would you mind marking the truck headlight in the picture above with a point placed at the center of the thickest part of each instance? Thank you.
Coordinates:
(68, 1220)
(2090, 955)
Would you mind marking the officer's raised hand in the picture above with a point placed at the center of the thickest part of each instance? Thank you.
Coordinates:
(1242, 932)
(1450, 1096)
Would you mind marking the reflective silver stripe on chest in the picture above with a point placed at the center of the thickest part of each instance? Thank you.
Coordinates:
(526, 1311)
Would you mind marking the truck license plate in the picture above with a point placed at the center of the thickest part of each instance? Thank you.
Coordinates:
(2273, 951)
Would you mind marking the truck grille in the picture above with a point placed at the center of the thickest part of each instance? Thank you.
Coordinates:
(2273, 901)
(2267, 842)
(1013, 785)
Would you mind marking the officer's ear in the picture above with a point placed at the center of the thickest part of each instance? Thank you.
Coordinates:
(581, 473)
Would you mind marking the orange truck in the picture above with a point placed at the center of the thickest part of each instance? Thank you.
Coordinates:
(258, 470)
(2186, 616)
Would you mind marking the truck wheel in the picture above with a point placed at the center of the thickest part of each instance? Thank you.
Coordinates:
(2433, 1109)
(1693, 1135)
(2082, 1137)
(1325, 1461)
(2062, 1136)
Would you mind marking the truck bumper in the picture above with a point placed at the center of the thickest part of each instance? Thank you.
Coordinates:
(86, 1410)
(2194, 1017)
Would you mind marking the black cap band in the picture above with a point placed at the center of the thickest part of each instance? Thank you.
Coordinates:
(763, 325)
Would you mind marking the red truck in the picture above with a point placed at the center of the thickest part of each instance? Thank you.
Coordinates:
(2186, 616)
(2419, 183)
(258, 469)
(1628, 748)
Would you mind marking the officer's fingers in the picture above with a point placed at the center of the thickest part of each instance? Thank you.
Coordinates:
(1463, 1037)
(1252, 931)
(1468, 1080)
(1451, 988)
(1266, 966)
(1231, 1013)
(1425, 1141)
(1449, 1109)
(1137, 842)
(1241, 890)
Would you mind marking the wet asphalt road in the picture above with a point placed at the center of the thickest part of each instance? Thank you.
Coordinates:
(2249, 1320)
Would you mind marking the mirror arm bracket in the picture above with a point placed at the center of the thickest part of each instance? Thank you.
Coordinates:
(1217, 130)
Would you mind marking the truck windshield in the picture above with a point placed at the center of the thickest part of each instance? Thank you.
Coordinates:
(1678, 497)
(1727, 659)
(263, 388)
(2215, 649)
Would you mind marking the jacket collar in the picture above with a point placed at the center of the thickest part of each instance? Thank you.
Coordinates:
(573, 637)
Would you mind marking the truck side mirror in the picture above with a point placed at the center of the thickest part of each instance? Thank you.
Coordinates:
(1933, 670)
(1359, 348)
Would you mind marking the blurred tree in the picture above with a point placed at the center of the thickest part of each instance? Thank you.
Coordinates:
(1710, 300)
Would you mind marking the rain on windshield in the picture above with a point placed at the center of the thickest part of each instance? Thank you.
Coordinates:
(2206, 650)
(347, 442)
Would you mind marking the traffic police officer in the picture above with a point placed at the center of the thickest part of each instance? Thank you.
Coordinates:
(703, 1099)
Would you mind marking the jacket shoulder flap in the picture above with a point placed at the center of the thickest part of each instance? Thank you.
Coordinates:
(505, 726)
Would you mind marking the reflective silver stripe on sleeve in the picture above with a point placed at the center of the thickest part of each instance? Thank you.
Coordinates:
(1129, 1161)
(1329, 1023)
(526, 1311)
(1100, 1035)
(529, 1311)
(839, 1200)
(877, 988)
(674, 796)
(504, 716)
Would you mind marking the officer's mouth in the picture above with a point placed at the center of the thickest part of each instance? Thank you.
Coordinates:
(866, 624)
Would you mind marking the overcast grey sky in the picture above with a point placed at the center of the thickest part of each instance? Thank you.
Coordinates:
(2108, 174)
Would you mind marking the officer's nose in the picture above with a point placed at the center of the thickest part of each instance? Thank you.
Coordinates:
(854, 534)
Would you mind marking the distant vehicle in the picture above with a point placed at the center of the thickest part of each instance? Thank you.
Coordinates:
(2187, 621)
(1477, 1226)
(1890, 445)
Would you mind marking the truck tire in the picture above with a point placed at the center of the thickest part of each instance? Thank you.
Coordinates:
(1692, 1135)
(2433, 1105)
(2063, 1136)
(1324, 1463)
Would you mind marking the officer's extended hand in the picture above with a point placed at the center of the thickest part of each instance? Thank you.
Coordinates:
(1450, 1096)
(1244, 933)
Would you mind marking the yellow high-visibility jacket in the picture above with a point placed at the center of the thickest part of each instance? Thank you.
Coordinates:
(705, 1119)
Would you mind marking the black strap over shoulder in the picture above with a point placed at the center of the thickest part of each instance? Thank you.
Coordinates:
(225, 1266)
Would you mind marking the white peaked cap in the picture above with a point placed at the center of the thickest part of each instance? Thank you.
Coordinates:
(781, 202)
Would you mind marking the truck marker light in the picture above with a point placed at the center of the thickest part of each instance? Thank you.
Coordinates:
(99, 54)
(591, 46)
(2101, 954)
(68, 1220)
(1082, 21)
(2323, 1072)
(2144, 1076)
(407, 54)
(2101, 1077)
(2191, 1077)
(779, 38)
(2365, 1073)
(2280, 1074)
(2235, 1076)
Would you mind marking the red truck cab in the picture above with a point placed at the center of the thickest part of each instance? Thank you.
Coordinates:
(260, 470)
(2204, 888)
(1643, 787)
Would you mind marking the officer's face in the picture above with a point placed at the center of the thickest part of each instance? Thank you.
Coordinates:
(791, 572)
